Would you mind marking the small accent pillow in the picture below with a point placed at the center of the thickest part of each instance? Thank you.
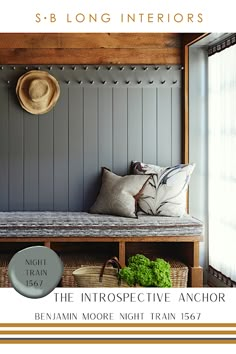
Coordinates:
(165, 192)
(118, 195)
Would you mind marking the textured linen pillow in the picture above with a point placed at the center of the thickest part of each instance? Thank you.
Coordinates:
(118, 195)
(165, 192)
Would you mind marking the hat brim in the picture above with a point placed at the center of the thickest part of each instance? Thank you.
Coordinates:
(22, 92)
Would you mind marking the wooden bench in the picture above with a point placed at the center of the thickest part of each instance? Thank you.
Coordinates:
(172, 236)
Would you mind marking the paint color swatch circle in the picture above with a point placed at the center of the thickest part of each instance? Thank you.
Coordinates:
(35, 271)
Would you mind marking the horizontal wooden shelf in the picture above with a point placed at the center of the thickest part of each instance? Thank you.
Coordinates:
(104, 239)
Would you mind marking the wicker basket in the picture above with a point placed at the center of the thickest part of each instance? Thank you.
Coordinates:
(71, 262)
(99, 276)
(4, 280)
(67, 280)
(178, 274)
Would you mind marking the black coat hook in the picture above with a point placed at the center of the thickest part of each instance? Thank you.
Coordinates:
(108, 67)
(50, 68)
(103, 82)
(121, 68)
(85, 68)
(91, 82)
(151, 82)
(62, 68)
(174, 81)
(168, 67)
(156, 67)
(97, 68)
(68, 82)
(145, 68)
(115, 82)
(133, 68)
(74, 68)
(139, 82)
(163, 81)
(80, 82)
(127, 82)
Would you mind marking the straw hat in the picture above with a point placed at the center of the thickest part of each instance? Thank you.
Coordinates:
(37, 91)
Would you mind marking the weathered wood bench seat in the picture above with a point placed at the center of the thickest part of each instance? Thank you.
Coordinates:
(51, 227)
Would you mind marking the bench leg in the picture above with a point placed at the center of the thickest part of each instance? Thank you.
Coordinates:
(122, 253)
(196, 277)
(47, 244)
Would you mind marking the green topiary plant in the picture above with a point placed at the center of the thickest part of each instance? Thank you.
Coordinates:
(142, 271)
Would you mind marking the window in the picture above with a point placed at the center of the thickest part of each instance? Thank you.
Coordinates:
(222, 160)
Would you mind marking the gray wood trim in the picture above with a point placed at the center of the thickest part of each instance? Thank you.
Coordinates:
(4, 149)
(120, 130)
(164, 127)
(46, 165)
(105, 128)
(135, 122)
(91, 170)
(176, 136)
(150, 125)
(60, 184)
(31, 154)
(76, 149)
(16, 161)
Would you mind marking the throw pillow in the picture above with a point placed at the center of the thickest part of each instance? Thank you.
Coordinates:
(165, 192)
(118, 195)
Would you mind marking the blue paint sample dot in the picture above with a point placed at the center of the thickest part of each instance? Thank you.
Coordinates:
(35, 271)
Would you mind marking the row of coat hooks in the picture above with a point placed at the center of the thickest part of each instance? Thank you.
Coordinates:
(104, 75)
(97, 67)
(127, 82)
(115, 82)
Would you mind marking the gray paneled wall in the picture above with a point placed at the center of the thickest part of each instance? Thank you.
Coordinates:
(105, 116)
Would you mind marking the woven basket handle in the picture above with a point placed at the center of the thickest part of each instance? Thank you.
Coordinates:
(113, 261)
(116, 261)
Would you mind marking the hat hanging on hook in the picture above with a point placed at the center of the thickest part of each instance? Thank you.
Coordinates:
(37, 91)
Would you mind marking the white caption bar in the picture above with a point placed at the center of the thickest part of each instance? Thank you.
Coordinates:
(114, 16)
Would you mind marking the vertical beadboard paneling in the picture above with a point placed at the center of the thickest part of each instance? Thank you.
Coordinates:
(164, 127)
(120, 159)
(91, 170)
(149, 125)
(176, 126)
(105, 116)
(4, 149)
(76, 149)
(61, 151)
(46, 165)
(16, 162)
(30, 133)
(135, 117)
(105, 128)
